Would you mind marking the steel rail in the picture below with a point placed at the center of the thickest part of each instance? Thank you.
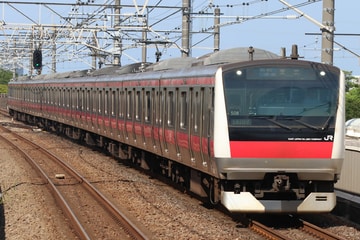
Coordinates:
(318, 232)
(75, 223)
(266, 231)
(116, 214)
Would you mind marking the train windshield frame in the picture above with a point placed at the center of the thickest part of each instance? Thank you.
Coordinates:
(280, 98)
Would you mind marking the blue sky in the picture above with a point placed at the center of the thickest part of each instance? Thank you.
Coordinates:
(270, 33)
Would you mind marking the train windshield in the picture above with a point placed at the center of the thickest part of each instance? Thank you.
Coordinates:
(285, 97)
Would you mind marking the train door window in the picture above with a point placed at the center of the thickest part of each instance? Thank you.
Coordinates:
(129, 106)
(46, 100)
(87, 99)
(112, 102)
(62, 97)
(57, 97)
(81, 103)
(148, 107)
(211, 110)
(94, 101)
(121, 103)
(196, 112)
(106, 103)
(51, 96)
(65, 100)
(159, 107)
(138, 106)
(69, 98)
(183, 110)
(170, 108)
(99, 102)
(75, 99)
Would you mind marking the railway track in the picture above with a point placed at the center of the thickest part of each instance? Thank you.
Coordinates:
(304, 227)
(92, 216)
(309, 231)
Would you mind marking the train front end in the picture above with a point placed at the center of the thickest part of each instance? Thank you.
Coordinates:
(279, 135)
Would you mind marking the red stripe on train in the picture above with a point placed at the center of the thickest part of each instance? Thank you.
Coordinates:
(259, 149)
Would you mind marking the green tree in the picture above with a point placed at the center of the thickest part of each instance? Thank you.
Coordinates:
(5, 77)
(352, 97)
(352, 109)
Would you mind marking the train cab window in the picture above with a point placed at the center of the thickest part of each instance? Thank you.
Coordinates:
(170, 104)
(138, 106)
(183, 110)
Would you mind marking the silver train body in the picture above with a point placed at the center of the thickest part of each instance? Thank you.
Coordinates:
(265, 135)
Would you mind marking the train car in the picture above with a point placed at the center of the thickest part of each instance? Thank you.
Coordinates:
(254, 133)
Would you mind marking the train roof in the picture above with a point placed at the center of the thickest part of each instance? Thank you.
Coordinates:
(232, 55)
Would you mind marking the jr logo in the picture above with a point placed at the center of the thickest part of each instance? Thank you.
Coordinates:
(329, 138)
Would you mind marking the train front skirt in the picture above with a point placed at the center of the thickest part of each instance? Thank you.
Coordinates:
(246, 202)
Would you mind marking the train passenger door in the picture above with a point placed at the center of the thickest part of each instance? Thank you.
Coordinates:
(207, 126)
(197, 103)
(156, 120)
(129, 116)
(183, 124)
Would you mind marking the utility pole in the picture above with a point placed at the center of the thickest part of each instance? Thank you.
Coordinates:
(117, 39)
(217, 30)
(327, 28)
(186, 25)
(327, 43)
(53, 52)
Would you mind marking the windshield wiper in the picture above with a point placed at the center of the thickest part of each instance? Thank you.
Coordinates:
(297, 119)
(307, 125)
(273, 120)
(315, 107)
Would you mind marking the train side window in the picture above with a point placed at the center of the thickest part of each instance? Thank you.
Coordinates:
(183, 110)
